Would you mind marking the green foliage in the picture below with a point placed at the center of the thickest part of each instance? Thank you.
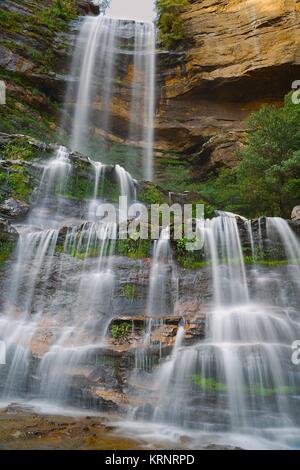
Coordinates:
(28, 110)
(18, 150)
(129, 292)
(77, 187)
(120, 330)
(6, 249)
(267, 392)
(267, 180)
(59, 9)
(211, 385)
(135, 249)
(208, 384)
(186, 258)
(170, 23)
(16, 182)
(151, 195)
(269, 173)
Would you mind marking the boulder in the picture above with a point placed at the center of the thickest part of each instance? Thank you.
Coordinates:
(12, 208)
(296, 213)
(88, 7)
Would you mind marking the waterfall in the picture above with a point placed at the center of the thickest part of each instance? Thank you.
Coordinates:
(143, 94)
(63, 284)
(241, 378)
(39, 276)
(162, 278)
(103, 46)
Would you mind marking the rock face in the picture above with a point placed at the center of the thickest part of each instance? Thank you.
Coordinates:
(34, 63)
(240, 54)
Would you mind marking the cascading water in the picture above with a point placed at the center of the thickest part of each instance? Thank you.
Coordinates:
(240, 381)
(79, 326)
(162, 278)
(102, 43)
(143, 94)
(31, 302)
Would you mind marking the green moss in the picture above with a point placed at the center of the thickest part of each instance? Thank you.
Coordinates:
(208, 384)
(19, 117)
(91, 253)
(120, 330)
(80, 186)
(189, 262)
(269, 262)
(151, 195)
(28, 110)
(16, 183)
(77, 187)
(135, 249)
(129, 291)
(7, 247)
(19, 150)
(267, 392)
(186, 258)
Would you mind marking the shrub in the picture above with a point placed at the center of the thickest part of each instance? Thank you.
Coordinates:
(266, 181)
(170, 23)
(121, 330)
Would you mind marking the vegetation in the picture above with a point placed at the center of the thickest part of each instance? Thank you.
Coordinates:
(134, 249)
(267, 179)
(151, 195)
(62, 9)
(16, 183)
(6, 249)
(129, 291)
(170, 23)
(19, 149)
(120, 330)
(210, 384)
(188, 259)
(32, 37)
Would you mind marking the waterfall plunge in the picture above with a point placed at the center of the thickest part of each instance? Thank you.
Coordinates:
(95, 85)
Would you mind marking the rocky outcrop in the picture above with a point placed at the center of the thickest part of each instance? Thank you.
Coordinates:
(22, 162)
(35, 56)
(240, 54)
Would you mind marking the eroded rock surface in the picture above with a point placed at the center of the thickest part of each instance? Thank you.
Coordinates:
(240, 54)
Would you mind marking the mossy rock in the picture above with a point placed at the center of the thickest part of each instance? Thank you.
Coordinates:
(149, 193)
(8, 241)
(135, 249)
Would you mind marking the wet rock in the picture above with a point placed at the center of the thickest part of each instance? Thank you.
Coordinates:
(296, 213)
(144, 412)
(13, 208)
(295, 226)
(88, 7)
(14, 62)
(162, 333)
(6, 228)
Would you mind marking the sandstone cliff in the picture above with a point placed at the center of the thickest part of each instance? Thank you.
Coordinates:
(241, 54)
(238, 55)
